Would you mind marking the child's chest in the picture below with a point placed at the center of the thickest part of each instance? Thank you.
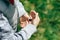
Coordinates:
(10, 12)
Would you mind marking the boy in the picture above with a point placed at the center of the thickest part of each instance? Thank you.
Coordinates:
(10, 12)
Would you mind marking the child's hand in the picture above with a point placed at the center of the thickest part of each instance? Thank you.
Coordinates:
(34, 18)
(24, 20)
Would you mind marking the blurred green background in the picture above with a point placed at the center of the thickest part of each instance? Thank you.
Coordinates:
(49, 13)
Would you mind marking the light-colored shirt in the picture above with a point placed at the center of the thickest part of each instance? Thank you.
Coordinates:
(8, 26)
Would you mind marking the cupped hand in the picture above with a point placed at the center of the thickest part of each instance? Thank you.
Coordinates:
(35, 18)
(26, 19)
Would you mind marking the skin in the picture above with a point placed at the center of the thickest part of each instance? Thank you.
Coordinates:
(24, 20)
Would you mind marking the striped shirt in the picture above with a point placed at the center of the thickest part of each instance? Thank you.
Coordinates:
(10, 15)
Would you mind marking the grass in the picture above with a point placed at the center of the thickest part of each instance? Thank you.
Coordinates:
(49, 13)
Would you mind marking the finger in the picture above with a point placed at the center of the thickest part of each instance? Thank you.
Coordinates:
(38, 17)
(36, 14)
(26, 15)
(23, 19)
(32, 11)
(33, 14)
(23, 24)
(29, 22)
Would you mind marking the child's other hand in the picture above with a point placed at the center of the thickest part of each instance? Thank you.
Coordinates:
(24, 20)
(35, 18)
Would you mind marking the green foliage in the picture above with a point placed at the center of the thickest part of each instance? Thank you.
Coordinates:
(49, 13)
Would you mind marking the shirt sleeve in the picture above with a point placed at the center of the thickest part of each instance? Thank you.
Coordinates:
(24, 34)
(20, 8)
(28, 31)
(9, 34)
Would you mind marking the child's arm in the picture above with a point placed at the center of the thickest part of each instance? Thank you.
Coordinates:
(20, 8)
(8, 32)
(24, 34)
(27, 31)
